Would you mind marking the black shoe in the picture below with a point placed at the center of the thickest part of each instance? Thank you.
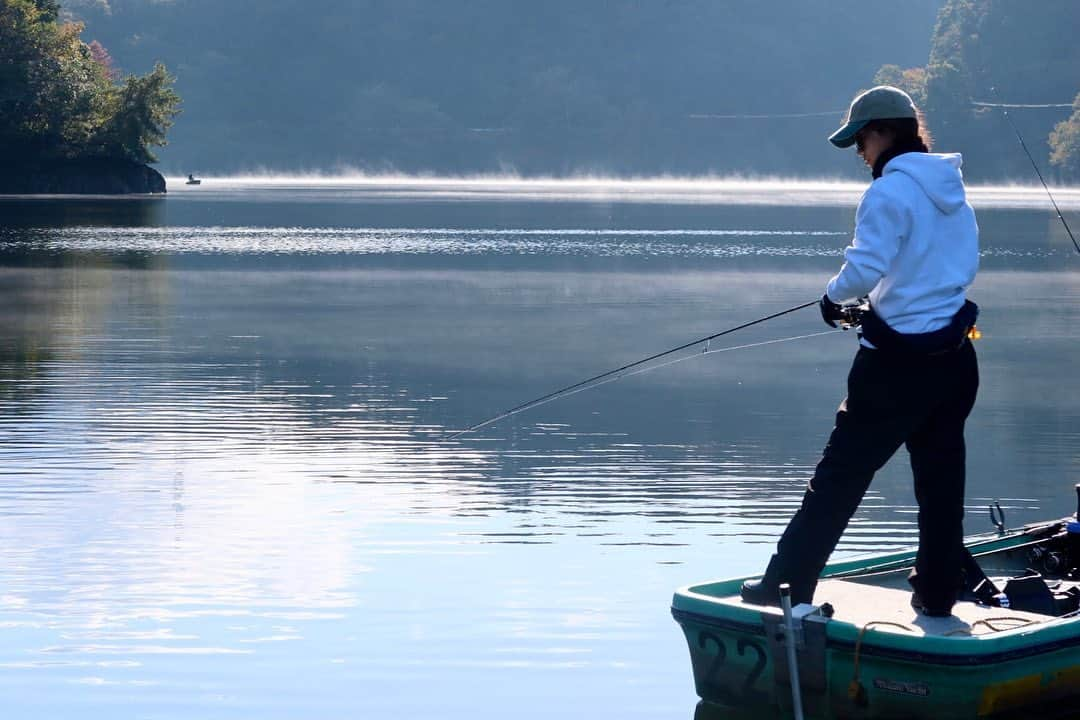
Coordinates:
(759, 592)
(763, 592)
(929, 611)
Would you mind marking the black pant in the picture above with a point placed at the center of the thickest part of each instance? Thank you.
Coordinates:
(920, 401)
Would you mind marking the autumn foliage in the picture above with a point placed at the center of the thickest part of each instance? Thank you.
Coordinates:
(61, 98)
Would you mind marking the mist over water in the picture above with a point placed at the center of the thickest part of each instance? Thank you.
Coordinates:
(229, 490)
(712, 190)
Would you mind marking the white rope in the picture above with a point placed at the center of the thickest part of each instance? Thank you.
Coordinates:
(710, 116)
(1017, 105)
(834, 113)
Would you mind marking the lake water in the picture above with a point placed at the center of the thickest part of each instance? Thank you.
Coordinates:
(228, 490)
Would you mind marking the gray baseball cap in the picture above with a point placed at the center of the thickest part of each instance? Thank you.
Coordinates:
(878, 103)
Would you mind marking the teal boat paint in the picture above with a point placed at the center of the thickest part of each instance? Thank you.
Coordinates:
(984, 662)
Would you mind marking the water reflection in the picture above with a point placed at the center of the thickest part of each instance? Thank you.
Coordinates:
(81, 210)
(21, 367)
(226, 460)
(251, 361)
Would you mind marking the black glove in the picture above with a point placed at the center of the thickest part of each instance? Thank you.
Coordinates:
(830, 311)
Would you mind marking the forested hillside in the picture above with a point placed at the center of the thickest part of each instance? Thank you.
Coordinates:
(1011, 52)
(560, 86)
(61, 99)
(614, 86)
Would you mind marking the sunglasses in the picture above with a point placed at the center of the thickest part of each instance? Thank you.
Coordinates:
(860, 140)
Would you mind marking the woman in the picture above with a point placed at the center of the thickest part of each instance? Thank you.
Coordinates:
(914, 379)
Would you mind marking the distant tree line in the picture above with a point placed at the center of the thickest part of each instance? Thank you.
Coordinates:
(604, 86)
(1002, 52)
(63, 99)
(550, 87)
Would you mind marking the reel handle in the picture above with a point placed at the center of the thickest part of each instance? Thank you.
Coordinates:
(852, 315)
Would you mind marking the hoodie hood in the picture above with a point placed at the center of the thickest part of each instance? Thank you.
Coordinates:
(937, 174)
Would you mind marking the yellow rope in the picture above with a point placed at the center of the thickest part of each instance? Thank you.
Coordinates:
(988, 623)
(859, 640)
(857, 692)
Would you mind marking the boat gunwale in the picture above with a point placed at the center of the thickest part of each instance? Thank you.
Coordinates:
(954, 656)
(1056, 633)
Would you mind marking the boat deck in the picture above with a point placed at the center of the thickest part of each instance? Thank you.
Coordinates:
(861, 604)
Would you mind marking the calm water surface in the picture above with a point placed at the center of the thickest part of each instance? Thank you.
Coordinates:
(227, 490)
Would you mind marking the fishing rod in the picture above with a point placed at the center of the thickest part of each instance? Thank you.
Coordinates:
(1023, 144)
(852, 318)
(623, 371)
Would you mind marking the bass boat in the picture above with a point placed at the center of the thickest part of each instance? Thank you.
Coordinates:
(1011, 647)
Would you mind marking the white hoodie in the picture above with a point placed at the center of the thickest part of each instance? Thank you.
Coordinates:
(916, 244)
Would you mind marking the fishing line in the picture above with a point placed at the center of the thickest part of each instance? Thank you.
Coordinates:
(650, 368)
(710, 351)
(1039, 173)
(615, 374)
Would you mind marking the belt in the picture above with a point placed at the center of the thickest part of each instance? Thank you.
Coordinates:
(936, 342)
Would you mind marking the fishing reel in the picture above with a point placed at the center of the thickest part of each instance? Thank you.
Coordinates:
(851, 315)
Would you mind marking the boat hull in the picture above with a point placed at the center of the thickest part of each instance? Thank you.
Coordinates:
(897, 666)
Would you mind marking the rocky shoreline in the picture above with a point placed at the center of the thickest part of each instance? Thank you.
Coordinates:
(81, 177)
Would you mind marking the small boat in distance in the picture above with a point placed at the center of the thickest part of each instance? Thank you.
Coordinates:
(1012, 644)
(192, 181)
